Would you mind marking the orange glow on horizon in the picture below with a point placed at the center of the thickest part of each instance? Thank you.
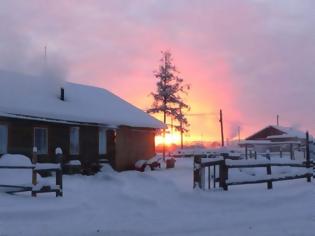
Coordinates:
(211, 90)
(169, 139)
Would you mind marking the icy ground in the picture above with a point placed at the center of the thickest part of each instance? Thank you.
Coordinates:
(160, 203)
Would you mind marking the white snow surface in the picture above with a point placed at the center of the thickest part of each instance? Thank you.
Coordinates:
(25, 95)
(15, 160)
(21, 177)
(74, 163)
(47, 166)
(160, 202)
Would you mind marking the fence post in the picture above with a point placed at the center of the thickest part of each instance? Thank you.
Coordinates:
(197, 173)
(202, 172)
(269, 183)
(58, 153)
(268, 154)
(308, 157)
(34, 173)
(223, 175)
(291, 152)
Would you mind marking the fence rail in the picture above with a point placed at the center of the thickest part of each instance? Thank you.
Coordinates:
(220, 168)
(35, 187)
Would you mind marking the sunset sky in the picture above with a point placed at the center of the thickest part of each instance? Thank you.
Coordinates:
(252, 58)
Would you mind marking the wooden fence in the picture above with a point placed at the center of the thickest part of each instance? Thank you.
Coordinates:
(215, 173)
(210, 171)
(38, 168)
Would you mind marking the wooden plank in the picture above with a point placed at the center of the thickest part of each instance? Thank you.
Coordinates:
(265, 165)
(14, 186)
(214, 175)
(269, 183)
(17, 167)
(212, 163)
(46, 170)
(209, 178)
(266, 180)
(34, 174)
(196, 175)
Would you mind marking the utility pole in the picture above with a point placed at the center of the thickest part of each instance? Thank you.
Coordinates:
(239, 134)
(221, 122)
(45, 55)
(277, 120)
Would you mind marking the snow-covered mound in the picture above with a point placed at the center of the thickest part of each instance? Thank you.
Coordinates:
(15, 176)
(15, 160)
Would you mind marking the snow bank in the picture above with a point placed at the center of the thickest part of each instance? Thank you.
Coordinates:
(15, 160)
(16, 176)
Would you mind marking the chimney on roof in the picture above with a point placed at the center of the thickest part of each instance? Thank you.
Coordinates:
(62, 94)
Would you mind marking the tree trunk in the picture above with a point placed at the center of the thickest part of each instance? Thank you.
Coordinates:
(164, 136)
(181, 130)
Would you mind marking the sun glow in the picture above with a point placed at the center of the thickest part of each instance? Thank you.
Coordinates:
(170, 138)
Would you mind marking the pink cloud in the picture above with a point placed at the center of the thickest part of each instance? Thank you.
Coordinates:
(253, 59)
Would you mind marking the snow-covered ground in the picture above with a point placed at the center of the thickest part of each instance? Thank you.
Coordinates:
(160, 202)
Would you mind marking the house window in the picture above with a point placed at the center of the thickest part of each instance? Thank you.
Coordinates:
(74, 140)
(3, 139)
(102, 141)
(41, 140)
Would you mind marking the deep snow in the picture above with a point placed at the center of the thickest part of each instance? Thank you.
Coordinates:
(160, 203)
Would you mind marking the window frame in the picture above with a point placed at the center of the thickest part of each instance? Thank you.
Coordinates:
(7, 138)
(47, 140)
(105, 145)
(70, 150)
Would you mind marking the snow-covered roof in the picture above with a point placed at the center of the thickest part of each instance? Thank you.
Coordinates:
(35, 97)
(285, 132)
(289, 132)
(266, 143)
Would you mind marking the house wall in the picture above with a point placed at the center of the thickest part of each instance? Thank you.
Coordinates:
(133, 144)
(124, 146)
(21, 139)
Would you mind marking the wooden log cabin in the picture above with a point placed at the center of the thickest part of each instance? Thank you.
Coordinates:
(90, 124)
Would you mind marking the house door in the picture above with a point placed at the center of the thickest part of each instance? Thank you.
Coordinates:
(111, 146)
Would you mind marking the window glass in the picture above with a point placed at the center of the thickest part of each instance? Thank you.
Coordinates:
(3, 139)
(74, 140)
(41, 140)
(102, 141)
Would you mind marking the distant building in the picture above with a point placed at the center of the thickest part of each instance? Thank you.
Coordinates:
(90, 124)
(275, 138)
(276, 133)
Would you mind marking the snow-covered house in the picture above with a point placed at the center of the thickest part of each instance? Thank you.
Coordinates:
(275, 138)
(277, 133)
(89, 124)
